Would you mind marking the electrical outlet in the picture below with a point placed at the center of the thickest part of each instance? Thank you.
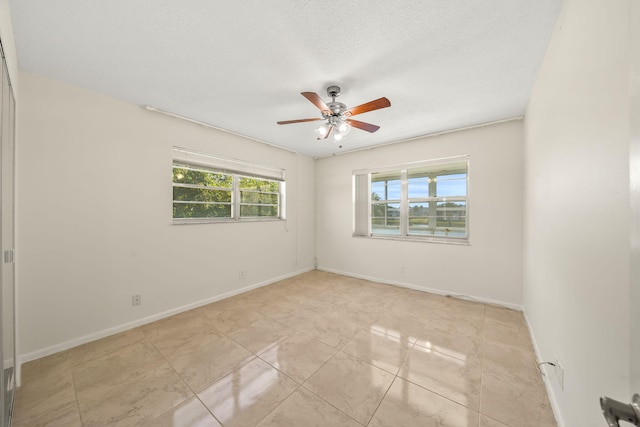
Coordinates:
(403, 270)
(136, 300)
(558, 372)
(241, 274)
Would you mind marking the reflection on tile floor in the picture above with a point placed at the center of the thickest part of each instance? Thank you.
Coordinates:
(318, 349)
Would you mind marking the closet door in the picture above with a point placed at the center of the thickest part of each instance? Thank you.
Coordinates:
(7, 316)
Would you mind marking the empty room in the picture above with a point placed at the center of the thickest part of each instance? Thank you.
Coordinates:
(382, 213)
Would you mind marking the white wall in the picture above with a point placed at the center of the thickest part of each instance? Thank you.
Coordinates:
(94, 195)
(489, 268)
(576, 275)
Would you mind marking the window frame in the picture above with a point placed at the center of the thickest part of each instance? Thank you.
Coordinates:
(363, 203)
(240, 203)
(237, 170)
(204, 187)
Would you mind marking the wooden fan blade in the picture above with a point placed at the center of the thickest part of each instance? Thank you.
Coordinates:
(362, 125)
(288, 122)
(369, 106)
(317, 101)
(326, 135)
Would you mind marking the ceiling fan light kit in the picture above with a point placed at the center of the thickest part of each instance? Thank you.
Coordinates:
(338, 116)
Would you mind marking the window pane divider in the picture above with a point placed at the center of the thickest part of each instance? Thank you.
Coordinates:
(439, 199)
(203, 187)
(259, 192)
(235, 198)
(198, 202)
(404, 202)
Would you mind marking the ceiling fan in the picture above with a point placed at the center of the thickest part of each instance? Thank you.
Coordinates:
(338, 116)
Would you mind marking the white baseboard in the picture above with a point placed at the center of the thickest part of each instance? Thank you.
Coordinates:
(425, 289)
(545, 378)
(134, 324)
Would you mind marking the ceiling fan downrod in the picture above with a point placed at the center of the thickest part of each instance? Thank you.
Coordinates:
(336, 108)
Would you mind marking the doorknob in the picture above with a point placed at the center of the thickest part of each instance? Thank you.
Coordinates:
(615, 411)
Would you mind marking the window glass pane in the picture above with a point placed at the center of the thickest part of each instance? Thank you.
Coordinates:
(377, 190)
(378, 209)
(201, 210)
(420, 222)
(421, 226)
(388, 210)
(201, 195)
(187, 175)
(258, 184)
(453, 217)
(259, 198)
(445, 177)
(258, 211)
(419, 208)
(452, 208)
(385, 186)
(447, 187)
(418, 187)
(385, 218)
(255, 192)
(448, 180)
(449, 232)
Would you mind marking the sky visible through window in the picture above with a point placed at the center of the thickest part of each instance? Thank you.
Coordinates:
(446, 186)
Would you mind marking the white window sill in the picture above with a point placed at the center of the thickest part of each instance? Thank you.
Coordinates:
(223, 220)
(441, 240)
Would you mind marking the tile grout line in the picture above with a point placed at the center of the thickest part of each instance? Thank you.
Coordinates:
(75, 389)
(292, 379)
(391, 384)
(283, 400)
(338, 350)
(279, 403)
(181, 379)
(484, 329)
(255, 356)
(330, 404)
(434, 392)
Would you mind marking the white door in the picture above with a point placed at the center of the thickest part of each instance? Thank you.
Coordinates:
(630, 411)
(634, 115)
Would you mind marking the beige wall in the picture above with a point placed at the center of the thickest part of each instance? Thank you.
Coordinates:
(94, 202)
(576, 282)
(489, 268)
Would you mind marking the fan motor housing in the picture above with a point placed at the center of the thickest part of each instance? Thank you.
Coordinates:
(337, 108)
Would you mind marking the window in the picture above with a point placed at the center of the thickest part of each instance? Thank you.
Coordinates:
(210, 189)
(386, 195)
(418, 201)
(201, 193)
(259, 197)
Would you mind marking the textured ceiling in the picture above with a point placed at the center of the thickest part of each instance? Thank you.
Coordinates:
(241, 65)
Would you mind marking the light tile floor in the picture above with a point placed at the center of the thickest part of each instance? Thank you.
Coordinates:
(318, 349)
